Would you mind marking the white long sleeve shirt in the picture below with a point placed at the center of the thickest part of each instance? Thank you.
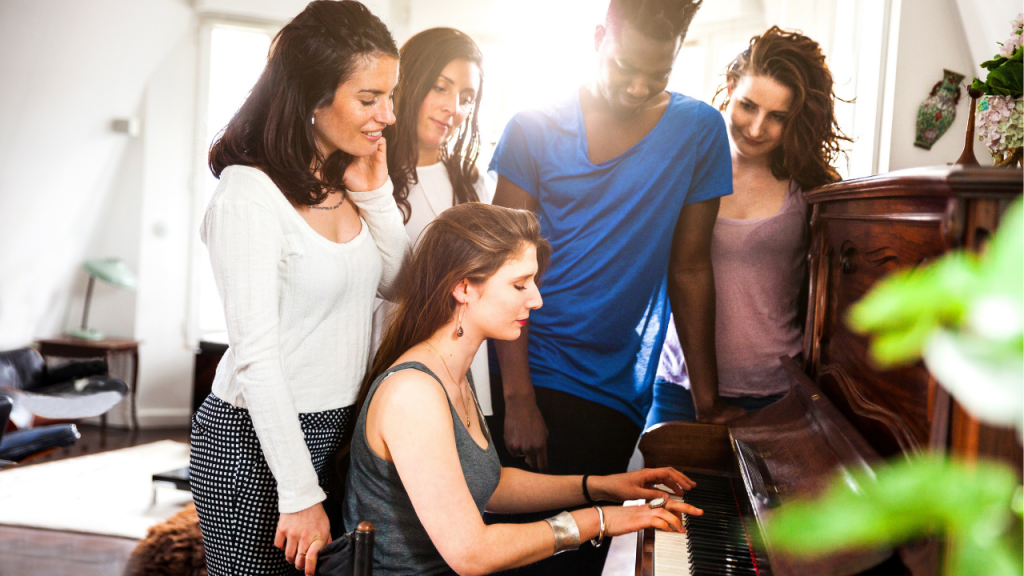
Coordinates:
(299, 310)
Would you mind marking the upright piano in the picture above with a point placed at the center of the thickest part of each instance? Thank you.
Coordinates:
(842, 413)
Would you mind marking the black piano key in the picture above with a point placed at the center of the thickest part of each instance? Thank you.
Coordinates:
(736, 559)
(717, 543)
(723, 547)
(721, 570)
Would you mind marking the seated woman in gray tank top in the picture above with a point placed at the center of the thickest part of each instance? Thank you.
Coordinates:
(423, 466)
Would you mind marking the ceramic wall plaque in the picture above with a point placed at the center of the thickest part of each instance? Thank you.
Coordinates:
(938, 111)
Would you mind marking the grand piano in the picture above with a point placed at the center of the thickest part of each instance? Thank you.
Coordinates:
(842, 414)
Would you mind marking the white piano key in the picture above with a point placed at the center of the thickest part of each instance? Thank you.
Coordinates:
(663, 488)
(671, 549)
(671, 554)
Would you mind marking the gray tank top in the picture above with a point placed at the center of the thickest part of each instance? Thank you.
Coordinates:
(374, 491)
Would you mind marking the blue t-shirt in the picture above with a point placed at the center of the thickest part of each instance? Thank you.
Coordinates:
(600, 331)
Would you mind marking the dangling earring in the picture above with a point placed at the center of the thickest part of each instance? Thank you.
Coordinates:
(459, 331)
(312, 120)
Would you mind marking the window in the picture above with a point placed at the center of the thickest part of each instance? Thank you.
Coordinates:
(232, 56)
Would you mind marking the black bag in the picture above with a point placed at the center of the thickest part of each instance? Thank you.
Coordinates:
(350, 554)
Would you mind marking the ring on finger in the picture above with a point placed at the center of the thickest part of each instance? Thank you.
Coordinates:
(656, 503)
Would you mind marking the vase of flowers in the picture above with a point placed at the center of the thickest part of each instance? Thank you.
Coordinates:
(1000, 122)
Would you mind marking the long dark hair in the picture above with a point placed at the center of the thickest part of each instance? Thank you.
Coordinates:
(424, 56)
(811, 135)
(309, 58)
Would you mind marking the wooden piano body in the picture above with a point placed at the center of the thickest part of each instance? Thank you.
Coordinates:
(843, 412)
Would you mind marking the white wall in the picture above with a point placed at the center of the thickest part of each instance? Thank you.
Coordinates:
(166, 357)
(986, 22)
(930, 38)
(69, 68)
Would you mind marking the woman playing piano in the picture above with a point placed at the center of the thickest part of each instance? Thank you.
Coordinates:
(423, 465)
(784, 138)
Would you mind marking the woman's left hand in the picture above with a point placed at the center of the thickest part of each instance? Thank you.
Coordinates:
(637, 485)
(367, 173)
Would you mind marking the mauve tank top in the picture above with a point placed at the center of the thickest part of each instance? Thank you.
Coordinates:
(759, 267)
(375, 492)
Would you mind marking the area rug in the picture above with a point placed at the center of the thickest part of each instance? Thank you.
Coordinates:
(110, 493)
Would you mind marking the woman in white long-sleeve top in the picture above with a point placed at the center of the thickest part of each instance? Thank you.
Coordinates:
(303, 232)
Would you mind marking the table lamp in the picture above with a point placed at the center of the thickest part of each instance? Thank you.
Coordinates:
(112, 271)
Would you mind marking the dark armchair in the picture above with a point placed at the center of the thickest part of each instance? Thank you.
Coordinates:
(31, 391)
(22, 444)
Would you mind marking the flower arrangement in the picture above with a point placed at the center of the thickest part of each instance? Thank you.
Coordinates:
(1000, 123)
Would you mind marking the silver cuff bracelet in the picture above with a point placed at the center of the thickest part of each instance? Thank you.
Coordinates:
(567, 534)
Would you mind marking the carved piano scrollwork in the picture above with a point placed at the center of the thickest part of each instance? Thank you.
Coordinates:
(877, 257)
(862, 406)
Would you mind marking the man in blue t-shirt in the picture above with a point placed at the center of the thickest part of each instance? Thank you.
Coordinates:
(625, 179)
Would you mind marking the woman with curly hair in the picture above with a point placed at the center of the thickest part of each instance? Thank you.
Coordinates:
(779, 110)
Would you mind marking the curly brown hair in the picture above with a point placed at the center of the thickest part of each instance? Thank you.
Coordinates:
(811, 136)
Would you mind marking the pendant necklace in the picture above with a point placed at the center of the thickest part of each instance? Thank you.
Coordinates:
(462, 395)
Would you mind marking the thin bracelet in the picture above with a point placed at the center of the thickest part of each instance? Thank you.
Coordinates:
(596, 542)
(586, 493)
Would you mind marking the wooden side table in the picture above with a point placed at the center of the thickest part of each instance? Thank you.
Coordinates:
(67, 347)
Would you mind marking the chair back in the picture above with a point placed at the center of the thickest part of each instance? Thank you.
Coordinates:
(23, 368)
(6, 404)
(364, 550)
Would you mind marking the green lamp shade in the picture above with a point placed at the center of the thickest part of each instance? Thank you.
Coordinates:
(112, 271)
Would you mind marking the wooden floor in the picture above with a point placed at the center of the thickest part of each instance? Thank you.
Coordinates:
(33, 552)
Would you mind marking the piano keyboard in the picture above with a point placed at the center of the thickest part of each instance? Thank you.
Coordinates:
(715, 543)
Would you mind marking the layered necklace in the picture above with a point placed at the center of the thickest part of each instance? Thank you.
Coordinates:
(462, 393)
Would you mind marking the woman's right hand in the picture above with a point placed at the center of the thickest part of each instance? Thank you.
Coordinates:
(301, 535)
(367, 173)
(620, 520)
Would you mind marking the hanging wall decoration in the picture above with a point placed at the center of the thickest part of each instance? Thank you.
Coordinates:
(938, 111)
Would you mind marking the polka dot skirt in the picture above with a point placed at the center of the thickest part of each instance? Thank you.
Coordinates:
(235, 492)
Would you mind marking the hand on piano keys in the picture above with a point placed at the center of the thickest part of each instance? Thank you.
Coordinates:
(628, 519)
(714, 544)
(639, 485)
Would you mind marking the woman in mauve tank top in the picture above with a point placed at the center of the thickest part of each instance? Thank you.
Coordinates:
(779, 109)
